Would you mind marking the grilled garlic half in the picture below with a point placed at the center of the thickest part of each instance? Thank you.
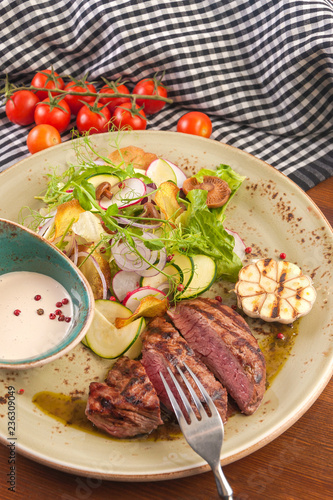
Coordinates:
(274, 291)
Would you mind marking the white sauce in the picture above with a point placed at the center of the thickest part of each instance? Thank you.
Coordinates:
(30, 334)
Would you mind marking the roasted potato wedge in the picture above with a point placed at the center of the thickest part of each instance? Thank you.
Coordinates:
(132, 155)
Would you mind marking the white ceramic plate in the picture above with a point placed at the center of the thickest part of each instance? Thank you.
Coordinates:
(272, 215)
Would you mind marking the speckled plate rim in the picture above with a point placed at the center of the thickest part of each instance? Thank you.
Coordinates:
(303, 406)
(184, 472)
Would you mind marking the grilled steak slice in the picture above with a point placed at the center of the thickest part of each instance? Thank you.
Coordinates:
(224, 342)
(163, 347)
(127, 404)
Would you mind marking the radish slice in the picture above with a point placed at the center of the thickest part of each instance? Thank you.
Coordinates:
(132, 299)
(160, 171)
(239, 247)
(178, 175)
(124, 282)
(126, 193)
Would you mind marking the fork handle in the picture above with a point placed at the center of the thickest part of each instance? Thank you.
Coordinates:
(223, 487)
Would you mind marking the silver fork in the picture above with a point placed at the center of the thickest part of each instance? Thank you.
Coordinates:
(205, 436)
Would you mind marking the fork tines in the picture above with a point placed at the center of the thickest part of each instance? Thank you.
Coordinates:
(191, 414)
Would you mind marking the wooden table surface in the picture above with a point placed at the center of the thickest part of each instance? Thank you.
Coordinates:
(295, 466)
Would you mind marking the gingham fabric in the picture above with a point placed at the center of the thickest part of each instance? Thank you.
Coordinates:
(262, 70)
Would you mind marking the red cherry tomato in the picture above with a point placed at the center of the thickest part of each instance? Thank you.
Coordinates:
(113, 102)
(129, 117)
(58, 118)
(42, 137)
(88, 120)
(150, 86)
(20, 107)
(73, 101)
(195, 123)
(47, 82)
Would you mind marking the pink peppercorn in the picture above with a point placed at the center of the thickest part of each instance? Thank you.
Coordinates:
(59, 304)
(52, 316)
(280, 336)
(65, 301)
(248, 249)
(113, 298)
(17, 312)
(67, 319)
(20, 391)
(218, 298)
(283, 255)
(234, 307)
(58, 312)
(37, 297)
(180, 288)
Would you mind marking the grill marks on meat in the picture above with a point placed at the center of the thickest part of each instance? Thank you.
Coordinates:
(225, 344)
(127, 404)
(162, 347)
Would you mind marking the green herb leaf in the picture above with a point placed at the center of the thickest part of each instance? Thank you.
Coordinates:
(155, 244)
(112, 210)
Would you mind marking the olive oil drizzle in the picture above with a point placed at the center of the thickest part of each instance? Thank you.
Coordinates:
(70, 410)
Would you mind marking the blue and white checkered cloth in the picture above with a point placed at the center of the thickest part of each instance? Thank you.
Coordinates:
(261, 69)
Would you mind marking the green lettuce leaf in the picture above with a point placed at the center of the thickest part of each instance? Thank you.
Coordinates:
(204, 234)
(203, 227)
(228, 175)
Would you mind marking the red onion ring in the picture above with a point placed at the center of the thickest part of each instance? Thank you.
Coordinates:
(132, 261)
(74, 256)
(42, 230)
(123, 220)
(98, 269)
(159, 266)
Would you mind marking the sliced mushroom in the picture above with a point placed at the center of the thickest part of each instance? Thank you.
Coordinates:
(104, 189)
(150, 211)
(218, 190)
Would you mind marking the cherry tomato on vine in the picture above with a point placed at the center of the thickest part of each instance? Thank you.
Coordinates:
(58, 118)
(20, 107)
(129, 116)
(73, 101)
(89, 120)
(195, 123)
(150, 86)
(42, 137)
(113, 102)
(49, 81)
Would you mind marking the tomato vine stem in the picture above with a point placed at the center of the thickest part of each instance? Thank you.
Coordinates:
(9, 90)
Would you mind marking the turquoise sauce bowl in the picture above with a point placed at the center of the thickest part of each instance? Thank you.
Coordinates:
(23, 250)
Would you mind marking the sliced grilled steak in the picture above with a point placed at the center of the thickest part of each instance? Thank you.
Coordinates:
(224, 342)
(162, 347)
(127, 404)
